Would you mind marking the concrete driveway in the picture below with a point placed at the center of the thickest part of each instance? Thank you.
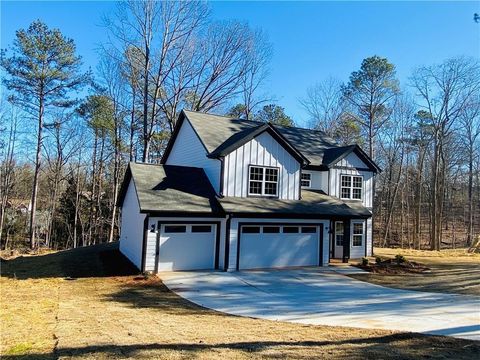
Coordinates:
(325, 297)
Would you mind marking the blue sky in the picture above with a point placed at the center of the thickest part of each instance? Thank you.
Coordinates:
(311, 40)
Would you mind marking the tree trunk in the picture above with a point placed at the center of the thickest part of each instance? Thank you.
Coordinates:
(38, 157)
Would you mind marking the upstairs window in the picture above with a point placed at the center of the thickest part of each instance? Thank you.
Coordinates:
(263, 181)
(306, 180)
(351, 187)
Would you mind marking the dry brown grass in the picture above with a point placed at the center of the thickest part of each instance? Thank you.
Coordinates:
(101, 315)
(451, 271)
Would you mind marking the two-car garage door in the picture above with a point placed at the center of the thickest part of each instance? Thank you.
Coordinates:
(276, 246)
(195, 246)
(187, 247)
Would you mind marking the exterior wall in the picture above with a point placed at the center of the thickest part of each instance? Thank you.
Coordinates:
(352, 160)
(152, 238)
(131, 230)
(232, 258)
(189, 151)
(319, 180)
(262, 150)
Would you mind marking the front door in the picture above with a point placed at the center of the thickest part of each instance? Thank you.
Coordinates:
(338, 239)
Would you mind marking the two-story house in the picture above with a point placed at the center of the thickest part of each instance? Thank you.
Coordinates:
(234, 194)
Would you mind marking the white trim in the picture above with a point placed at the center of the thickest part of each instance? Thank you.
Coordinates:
(263, 181)
(361, 222)
(362, 189)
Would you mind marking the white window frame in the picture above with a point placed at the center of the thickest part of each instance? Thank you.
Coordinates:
(263, 181)
(362, 234)
(309, 180)
(351, 187)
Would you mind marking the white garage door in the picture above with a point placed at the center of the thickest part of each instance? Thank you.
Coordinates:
(187, 247)
(276, 246)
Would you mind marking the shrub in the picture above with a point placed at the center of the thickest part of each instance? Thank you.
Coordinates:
(365, 261)
(400, 259)
(378, 259)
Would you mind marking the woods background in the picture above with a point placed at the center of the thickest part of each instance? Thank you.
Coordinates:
(67, 135)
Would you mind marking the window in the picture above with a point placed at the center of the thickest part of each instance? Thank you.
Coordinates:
(263, 181)
(271, 229)
(290, 229)
(339, 233)
(306, 180)
(201, 228)
(250, 229)
(351, 187)
(309, 229)
(357, 234)
(175, 228)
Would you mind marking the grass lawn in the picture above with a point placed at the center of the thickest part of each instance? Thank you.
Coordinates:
(90, 303)
(452, 271)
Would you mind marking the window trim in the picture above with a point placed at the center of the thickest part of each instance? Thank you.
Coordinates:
(351, 187)
(263, 181)
(363, 233)
(309, 180)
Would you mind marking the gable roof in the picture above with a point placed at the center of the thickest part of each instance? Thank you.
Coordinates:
(170, 189)
(242, 137)
(222, 134)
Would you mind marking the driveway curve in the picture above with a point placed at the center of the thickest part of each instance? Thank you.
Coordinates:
(320, 296)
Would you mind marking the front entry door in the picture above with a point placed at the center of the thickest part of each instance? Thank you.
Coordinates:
(338, 239)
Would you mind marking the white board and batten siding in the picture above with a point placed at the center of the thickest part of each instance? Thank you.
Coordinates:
(348, 166)
(189, 151)
(234, 227)
(263, 150)
(131, 233)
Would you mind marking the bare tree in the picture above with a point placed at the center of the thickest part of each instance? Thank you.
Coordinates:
(159, 31)
(470, 121)
(324, 105)
(445, 91)
(7, 167)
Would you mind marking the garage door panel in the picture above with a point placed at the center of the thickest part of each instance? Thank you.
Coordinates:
(187, 250)
(264, 250)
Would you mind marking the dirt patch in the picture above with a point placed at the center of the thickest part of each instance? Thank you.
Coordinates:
(136, 317)
(394, 267)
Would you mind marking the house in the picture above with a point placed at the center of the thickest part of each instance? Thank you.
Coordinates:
(234, 194)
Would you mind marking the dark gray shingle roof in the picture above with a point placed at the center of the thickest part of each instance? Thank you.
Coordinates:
(182, 189)
(219, 132)
(313, 203)
(169, 188)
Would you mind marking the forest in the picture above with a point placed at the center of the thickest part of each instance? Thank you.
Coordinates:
(67, 133)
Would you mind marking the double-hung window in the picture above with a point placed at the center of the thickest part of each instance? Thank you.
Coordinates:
(306, 180)
(358, 234)
(263, 181)
(351, 187)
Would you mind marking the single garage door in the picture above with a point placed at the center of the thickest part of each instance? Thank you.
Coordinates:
(276, 246)
(186, 247)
